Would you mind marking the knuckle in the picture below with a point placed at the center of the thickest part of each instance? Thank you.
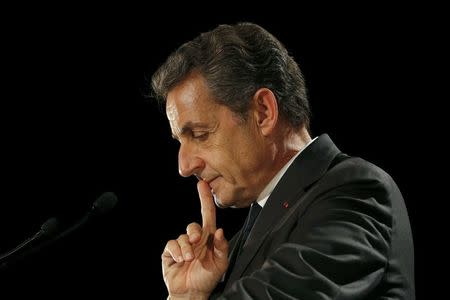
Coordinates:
(192, 227)
(169, 245)
(182, 237)
(185, 247)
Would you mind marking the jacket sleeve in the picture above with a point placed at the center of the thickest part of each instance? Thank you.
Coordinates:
(338, 249)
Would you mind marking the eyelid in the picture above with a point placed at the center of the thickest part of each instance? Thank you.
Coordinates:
(199, 134)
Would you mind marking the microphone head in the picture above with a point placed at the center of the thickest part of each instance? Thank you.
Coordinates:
(50, 227)
(105, 203)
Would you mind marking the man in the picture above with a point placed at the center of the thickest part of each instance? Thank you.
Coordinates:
(329, 226)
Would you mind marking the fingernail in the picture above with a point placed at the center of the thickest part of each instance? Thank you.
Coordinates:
(189, 256)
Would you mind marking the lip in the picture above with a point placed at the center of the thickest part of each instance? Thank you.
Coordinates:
(211, 180)
(208, 181)
(211, 183)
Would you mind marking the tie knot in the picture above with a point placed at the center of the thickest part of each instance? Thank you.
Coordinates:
(251, 218)
(254, 212)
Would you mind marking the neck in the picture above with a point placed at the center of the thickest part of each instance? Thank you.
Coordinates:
(285, 146)
(289, 145)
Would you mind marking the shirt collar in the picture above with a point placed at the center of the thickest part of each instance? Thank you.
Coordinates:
(262, 199)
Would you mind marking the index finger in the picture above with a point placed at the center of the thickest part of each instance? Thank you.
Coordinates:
(208, 206)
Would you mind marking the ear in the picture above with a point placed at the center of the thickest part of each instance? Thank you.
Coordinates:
(265, 110)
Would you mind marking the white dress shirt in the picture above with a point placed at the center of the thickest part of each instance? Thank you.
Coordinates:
(262, 199)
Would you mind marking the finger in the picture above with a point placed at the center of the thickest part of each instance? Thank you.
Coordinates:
(208, 207)
(172, 253)
(186, 247)
(194, 231)
(167, 259)
(220, 245)
(221, 250)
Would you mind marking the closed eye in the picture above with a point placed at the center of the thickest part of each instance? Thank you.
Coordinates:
(199, 135)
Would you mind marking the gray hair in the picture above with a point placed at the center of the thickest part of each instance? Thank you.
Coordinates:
(236, 61)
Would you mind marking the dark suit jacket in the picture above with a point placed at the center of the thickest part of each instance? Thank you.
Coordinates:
(335, 227)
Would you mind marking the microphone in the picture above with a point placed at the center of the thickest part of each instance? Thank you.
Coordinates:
(102, 205)
(49, 228)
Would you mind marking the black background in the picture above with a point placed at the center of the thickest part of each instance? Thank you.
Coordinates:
(75, 124)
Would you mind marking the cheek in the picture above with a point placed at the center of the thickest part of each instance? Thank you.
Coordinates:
(235, 156)
(228, 162)
(246, 158)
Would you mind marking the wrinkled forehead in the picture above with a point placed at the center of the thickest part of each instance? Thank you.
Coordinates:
(181, 107)
(189, 98)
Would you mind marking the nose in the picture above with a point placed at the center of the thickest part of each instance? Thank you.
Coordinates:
(189, 162)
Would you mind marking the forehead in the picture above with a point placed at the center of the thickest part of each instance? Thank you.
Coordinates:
(190, 99)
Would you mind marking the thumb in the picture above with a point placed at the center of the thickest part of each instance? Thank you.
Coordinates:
(221, 247)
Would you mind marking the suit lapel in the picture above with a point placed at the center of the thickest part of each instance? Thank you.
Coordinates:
(234, 246)
(307, 168)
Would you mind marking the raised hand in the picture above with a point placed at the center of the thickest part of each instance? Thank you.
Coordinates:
(194, 263)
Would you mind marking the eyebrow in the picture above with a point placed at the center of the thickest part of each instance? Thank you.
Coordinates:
(190, 126)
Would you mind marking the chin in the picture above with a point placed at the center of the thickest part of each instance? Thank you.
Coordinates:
(223, 202)
(226, 203)
(218, 202)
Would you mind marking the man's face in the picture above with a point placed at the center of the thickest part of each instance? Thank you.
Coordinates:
(215, 145)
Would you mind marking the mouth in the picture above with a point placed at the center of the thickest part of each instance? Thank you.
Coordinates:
(209, 181)
(199, 178)
(212, 184)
